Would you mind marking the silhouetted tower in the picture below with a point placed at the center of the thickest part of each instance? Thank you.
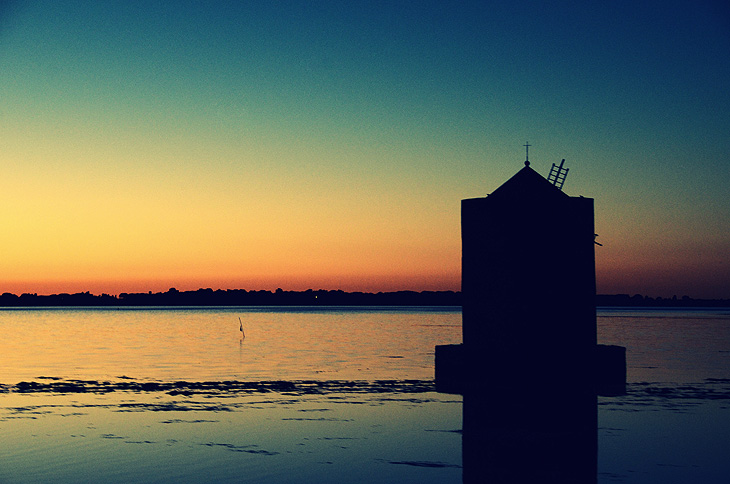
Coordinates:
(528, 280)
(529, 327)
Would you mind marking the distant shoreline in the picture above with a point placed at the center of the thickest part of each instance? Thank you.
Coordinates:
(242, 297)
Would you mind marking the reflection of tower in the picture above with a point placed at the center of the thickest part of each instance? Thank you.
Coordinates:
(527, 364)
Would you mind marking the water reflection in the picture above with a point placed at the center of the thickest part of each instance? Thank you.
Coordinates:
(530, 435)
(205, 343)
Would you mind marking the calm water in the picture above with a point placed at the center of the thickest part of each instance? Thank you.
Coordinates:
(671, 427)
(669, 345)
(206, 344)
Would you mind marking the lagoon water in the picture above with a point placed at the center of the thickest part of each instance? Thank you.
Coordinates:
(200, 344)
(320, 395)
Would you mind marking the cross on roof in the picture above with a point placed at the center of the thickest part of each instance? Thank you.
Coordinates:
(527, 153)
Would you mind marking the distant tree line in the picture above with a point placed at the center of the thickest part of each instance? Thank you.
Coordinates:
(238, 297)
(637, 300)
(242, 297)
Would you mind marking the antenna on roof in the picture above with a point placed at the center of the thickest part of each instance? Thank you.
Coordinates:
(527, 153)
(557, 175)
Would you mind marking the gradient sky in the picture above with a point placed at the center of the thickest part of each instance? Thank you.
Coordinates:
(255, 145)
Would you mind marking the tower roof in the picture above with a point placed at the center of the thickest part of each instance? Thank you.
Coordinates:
(527, 184)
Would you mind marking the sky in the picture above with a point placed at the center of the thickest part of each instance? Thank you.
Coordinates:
(328, 145)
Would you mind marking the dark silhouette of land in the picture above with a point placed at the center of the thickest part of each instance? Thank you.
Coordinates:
(320, 297)
(637, 300)
(237, 297)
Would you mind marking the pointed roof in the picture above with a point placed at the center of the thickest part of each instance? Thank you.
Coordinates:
(527, 184)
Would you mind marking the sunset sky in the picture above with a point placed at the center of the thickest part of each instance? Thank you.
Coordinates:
(256, 145)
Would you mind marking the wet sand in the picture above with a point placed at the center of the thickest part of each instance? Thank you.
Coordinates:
(302, 387)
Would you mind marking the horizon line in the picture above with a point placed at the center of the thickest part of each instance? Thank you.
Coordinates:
(173, 290)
